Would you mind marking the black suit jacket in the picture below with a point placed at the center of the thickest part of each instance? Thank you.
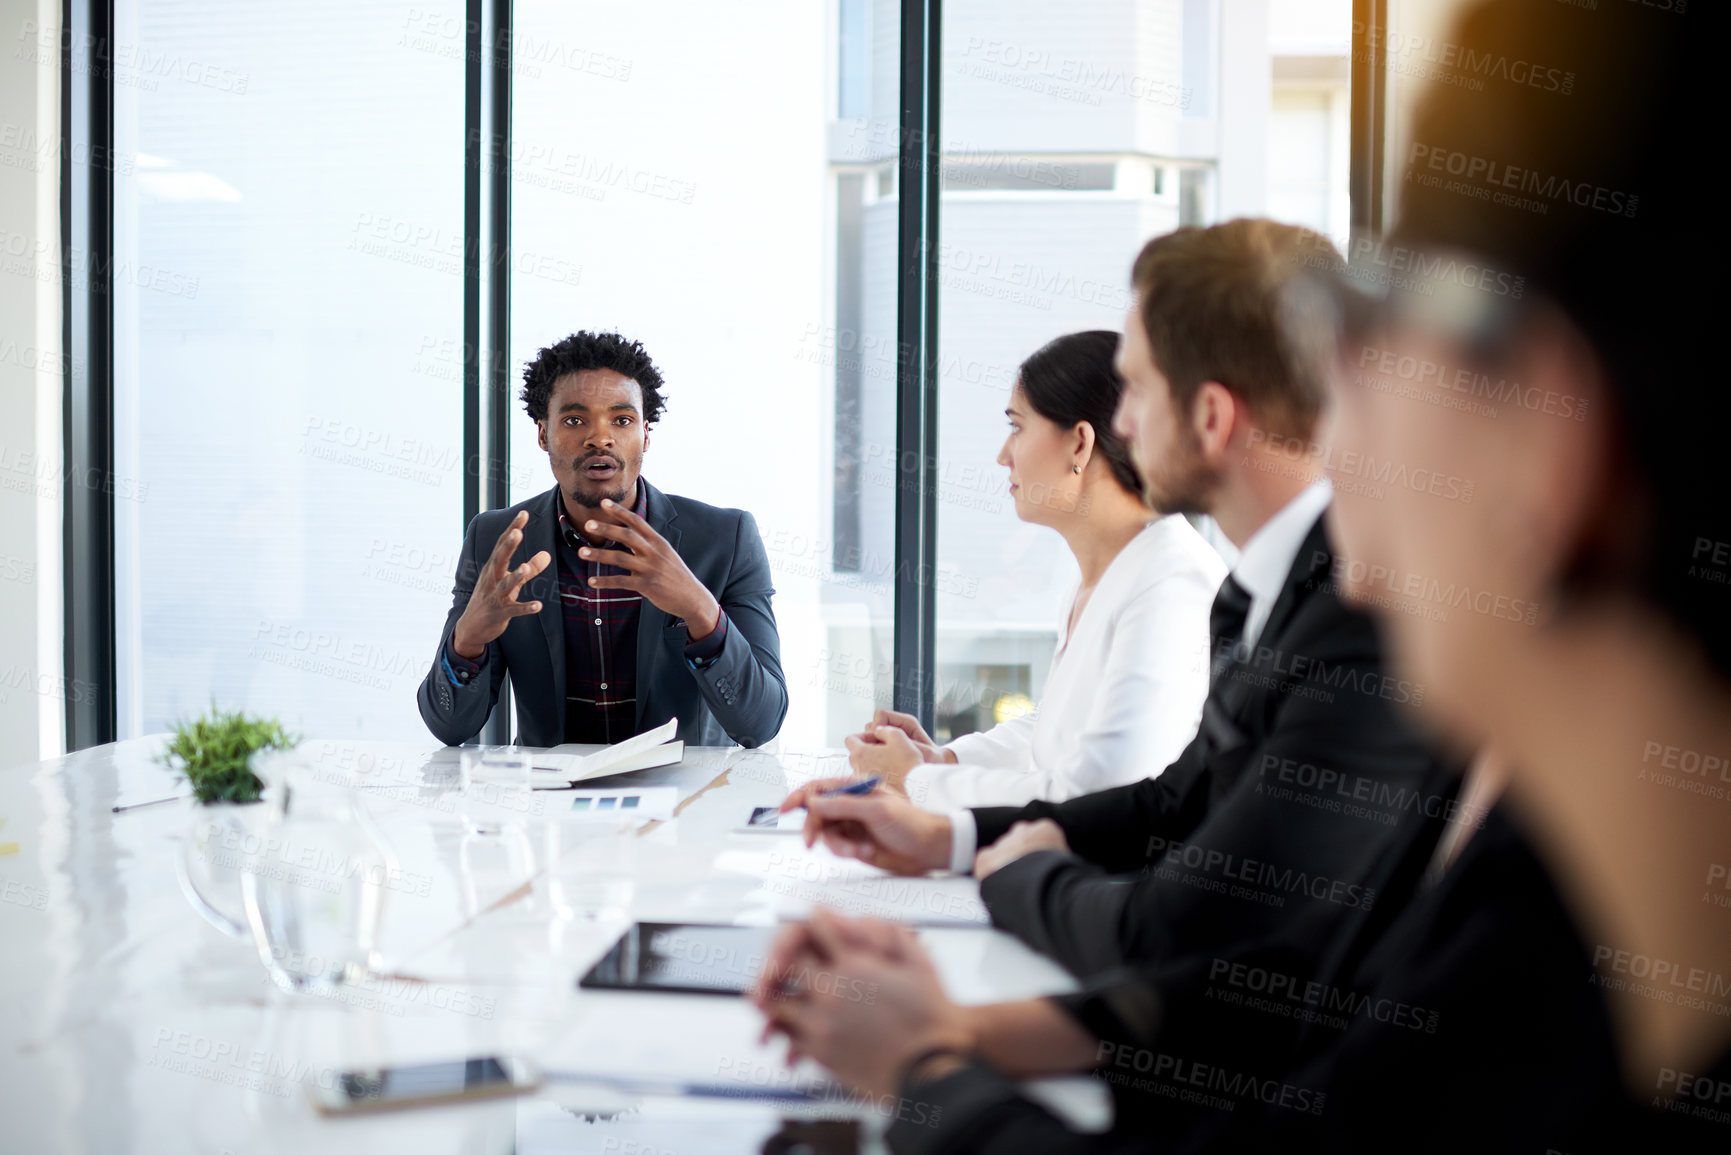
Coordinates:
(740, 697)
(1298, 820)
(1472, 1024)
(1476, 1013)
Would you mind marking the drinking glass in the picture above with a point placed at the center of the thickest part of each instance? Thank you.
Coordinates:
(591, 868)
(314, 891)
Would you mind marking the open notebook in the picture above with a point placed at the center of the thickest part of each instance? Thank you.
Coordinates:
(567, 765)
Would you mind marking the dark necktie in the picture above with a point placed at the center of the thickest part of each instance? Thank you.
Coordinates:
(1226, 624)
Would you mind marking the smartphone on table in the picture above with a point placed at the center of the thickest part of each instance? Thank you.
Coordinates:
(424, 1084)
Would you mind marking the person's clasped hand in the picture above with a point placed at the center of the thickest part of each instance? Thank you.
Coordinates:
(890, 746)
(860, 997)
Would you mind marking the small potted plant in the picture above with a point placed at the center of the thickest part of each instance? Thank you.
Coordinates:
(214, 753)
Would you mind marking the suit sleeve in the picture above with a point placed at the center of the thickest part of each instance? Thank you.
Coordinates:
(976, 1109)
(455, 713)
(1114, 828)
(744, 685)
(1269, 882)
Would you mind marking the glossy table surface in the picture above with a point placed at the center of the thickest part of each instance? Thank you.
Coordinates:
(129, 1023)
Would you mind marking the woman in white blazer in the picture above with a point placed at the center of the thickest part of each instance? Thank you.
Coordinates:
(1124, 693)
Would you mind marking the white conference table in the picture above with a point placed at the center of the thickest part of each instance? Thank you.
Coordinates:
(129, 1024)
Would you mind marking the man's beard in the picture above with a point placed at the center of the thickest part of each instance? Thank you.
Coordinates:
(1183, 481)
(620, 489)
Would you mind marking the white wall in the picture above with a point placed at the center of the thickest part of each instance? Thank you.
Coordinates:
(1246, 91)
(30, 384)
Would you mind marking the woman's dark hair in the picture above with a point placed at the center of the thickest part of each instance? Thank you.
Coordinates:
(587, 350)
(1612, 224)
(1073, 379)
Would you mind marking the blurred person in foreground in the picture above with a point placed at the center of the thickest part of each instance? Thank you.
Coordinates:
(1601, 498)
(1126, 684)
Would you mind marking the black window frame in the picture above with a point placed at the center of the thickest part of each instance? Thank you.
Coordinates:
(87, 249)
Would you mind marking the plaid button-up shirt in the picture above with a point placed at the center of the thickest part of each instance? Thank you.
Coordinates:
(600, 639)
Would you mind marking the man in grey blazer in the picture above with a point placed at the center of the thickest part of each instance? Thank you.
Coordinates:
(612, 605)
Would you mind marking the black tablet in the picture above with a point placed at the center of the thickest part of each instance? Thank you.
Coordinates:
(686, 958)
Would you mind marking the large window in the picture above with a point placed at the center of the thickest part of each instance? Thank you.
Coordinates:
(718, 181)
(288, 296)
(1071, 136)
(679, 173)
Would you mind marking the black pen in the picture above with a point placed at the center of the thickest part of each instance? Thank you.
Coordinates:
(152, 802)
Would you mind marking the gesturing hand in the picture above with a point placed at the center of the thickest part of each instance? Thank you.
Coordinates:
(655, 569)
(493, 602)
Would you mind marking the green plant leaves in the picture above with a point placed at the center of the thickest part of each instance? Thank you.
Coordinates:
(212, 752)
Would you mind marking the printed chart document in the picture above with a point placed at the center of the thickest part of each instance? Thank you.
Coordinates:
(555, 770)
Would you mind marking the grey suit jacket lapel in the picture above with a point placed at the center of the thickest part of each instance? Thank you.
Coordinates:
(652, 623)
(542, 533)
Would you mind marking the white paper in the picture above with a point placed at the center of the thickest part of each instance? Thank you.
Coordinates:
(796, 879)
(683, 1044)
(640, 753)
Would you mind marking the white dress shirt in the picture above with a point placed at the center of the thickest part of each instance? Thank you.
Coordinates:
(1269, 555)
(1122, 699)
(1261, 568)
